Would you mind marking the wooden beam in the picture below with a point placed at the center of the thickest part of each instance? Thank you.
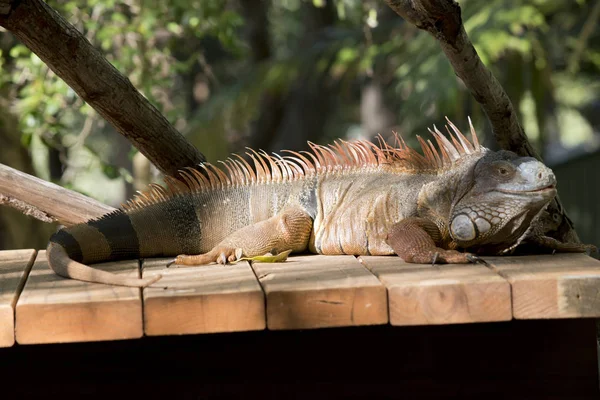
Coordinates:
(46, 201)
(552, 286)
(52, 309)
(14, 268)
(442, 294)
(321, 291)
(202, 299)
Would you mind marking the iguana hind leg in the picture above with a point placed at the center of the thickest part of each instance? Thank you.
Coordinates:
(560, 247)
(414, 240)
(287, 230)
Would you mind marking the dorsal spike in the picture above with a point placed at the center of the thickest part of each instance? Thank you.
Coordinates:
(159, 190)
(455, 141)
(438, 161)
(174, 185)
(354, 153)
(296, 165)
(308, 166)
(331, 157)
(286, 172)
(200, 178)
(189, 180)
(230, 172)
(429, 157)
(466, 145)
(474, 137)
(244, 172)
(318, 155)
(212, 178)
(239, 176)
(340, 148)
(246, 168)
(261, 174)
(445, 157)
(222, 176)
(275, 175)
(450, 149)
(315, 160)
(367, 148)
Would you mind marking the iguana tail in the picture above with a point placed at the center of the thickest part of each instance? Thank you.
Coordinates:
(115, 236)
(63, 265)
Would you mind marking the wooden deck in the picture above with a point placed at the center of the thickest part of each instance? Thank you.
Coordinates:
(306, 292)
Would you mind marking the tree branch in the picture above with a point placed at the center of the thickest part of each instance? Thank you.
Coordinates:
(92, 77)
(442, 19)
(46, 201)
(588, 28)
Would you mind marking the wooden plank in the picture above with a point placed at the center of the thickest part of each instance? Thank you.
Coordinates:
(552, 286)
(14, 268)
(203, 299)
(52, 309)
(321, 291)
(441, 294)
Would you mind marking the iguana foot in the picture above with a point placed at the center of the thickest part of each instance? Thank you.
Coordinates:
(413, 240)
(220, 255)
(438, 256)
(560, 247)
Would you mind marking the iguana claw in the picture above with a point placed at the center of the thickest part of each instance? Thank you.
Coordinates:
(476, 260)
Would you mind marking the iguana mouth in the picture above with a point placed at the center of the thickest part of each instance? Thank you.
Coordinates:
(541, 190)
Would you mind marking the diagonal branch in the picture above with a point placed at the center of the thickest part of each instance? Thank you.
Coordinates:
(68, 53)
(46, 201)
(442, 19)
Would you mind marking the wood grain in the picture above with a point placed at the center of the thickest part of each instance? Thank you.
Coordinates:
(321, 291)
(14, 268)
(552, 286)
(442, 294)
(46, 201)
(202, 299)
(52, 309)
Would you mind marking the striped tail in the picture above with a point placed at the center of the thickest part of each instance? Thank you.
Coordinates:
(109, 238)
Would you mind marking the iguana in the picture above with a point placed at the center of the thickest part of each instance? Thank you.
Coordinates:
(347, 198)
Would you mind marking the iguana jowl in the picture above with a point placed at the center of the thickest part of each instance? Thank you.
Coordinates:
(349, 198)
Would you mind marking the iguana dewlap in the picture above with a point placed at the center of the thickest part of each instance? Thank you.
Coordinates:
(349, 198)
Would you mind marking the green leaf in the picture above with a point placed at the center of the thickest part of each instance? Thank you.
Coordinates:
(266, 258)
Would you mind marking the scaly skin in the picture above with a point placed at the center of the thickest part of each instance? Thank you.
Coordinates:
(355, 199)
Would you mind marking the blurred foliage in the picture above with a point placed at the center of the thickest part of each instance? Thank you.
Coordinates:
(198, 62)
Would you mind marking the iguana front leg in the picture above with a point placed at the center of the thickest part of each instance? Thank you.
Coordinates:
(416, 240)
(288, 230)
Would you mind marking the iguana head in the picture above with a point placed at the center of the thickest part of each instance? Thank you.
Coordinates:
(497, 198)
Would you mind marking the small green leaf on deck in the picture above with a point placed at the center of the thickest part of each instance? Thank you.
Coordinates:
(267, 258)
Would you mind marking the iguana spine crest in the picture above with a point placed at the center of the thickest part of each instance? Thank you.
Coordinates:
(341, 156)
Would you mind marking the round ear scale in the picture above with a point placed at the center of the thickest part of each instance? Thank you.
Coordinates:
(462, 228)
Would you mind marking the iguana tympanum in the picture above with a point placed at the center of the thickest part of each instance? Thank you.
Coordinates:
(349, 198)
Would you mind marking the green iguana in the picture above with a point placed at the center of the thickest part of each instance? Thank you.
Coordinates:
(354, 198)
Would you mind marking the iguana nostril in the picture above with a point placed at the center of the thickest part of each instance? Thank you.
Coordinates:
(540, 175)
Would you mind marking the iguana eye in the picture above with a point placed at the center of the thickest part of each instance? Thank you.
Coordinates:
(504, 169)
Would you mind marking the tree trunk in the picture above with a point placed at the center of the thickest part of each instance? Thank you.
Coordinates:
(93, 78)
